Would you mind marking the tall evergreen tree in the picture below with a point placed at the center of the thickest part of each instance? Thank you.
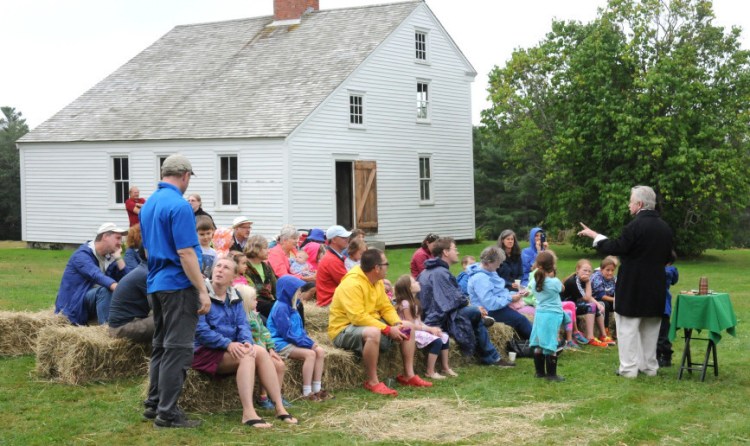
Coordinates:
(12, 127)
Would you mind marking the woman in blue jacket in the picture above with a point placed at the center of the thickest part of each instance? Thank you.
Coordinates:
(487, 289)
(291, 339)
(224, 346)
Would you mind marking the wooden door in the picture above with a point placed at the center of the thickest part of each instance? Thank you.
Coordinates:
(366, 195)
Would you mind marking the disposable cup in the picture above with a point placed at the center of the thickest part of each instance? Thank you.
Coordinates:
(512, 356)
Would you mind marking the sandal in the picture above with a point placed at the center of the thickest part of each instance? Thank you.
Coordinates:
(254, 423)
(324, 395)
(288, 419)
(450, 372)
(434, 375)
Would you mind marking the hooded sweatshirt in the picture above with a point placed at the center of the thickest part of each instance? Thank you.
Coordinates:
(486, 288)
(528, 256)
(284, 321)
(359, 302)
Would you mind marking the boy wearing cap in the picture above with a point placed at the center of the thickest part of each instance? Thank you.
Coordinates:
(241, 227)
(331, 268)
(91, 276)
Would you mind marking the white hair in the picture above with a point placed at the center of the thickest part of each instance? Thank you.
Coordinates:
(491, 254)
(288, 232)
(645, 195)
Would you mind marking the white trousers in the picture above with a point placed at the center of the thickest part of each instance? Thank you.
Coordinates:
(636, 344)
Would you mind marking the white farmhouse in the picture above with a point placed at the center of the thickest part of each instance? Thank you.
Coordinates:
(357, 116)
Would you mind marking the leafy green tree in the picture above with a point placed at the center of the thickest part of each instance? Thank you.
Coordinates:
(12, 127)
(505, 198)
(650, 92)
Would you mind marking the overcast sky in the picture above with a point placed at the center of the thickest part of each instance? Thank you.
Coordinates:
(55, 50)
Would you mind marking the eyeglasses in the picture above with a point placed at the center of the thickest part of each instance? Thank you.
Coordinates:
(383, 264)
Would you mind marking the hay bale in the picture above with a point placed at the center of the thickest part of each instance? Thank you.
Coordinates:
(201, 393)
(500, 334)
(19, 330)
(78, 355)
(316, 318)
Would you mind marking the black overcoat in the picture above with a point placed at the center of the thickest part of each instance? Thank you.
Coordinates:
(644, 248)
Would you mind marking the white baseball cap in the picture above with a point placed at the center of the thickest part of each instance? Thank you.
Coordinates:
(110, 227)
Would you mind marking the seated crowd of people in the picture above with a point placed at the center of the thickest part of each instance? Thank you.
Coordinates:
(255, 321)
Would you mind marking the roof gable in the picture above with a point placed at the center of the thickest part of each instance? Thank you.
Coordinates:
(232, 79)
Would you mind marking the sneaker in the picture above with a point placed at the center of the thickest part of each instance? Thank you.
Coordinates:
(580, 338)
(312, 397)
(149, 413)
(265, 403)
(285, 403)
(504, 363)
(488, 321)
(597, 343)
(607, 340)
(324, 395)
(181, 421)
(414, 381)
(571, 345)
(380, 389)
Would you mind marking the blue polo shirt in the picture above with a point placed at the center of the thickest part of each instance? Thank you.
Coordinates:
(167, 224)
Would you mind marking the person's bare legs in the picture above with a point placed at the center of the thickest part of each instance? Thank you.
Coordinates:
(600, 324)
(308, 366)
(431, 361)
(269, 379)
(320, 358)
(408, 348)
(370, 353)
(589, 318)
(245, 375)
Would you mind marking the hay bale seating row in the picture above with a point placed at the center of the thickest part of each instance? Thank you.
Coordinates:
(19, 330)
(78, 355)
(343, 368)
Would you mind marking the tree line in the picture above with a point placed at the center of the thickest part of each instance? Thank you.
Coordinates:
(12, 127)
(650, 92)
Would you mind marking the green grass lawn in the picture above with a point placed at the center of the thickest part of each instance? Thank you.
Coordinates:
(482, 406)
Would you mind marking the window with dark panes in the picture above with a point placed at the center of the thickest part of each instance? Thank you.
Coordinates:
(229, 180)
(120, 178)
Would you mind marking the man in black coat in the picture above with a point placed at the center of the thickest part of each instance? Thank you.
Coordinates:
(644, 248)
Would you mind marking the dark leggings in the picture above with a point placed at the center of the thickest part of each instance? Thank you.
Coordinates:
(436, 346)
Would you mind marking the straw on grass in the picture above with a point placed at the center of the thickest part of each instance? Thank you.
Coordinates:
(19, 330)
(79, 355)
(395, 420)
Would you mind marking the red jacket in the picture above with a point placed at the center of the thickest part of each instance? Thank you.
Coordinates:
(417, 261)
(331, 270)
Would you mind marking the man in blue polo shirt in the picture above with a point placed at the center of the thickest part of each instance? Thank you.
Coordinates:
(176, 286)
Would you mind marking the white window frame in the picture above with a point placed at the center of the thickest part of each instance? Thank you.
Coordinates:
(119, 182)
(222, 181)
(425, 179)
(423, 100)
(425, 43)
(361, 96)
(160, 157)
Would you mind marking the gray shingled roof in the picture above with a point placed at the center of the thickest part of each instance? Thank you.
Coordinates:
(233, 79)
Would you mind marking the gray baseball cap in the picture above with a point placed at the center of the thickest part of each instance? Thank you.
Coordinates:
(176, 165)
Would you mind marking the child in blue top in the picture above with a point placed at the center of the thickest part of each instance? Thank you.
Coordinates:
(603, 283)
(549, 317)
(291, 339)
(463, 276)
(663, 346)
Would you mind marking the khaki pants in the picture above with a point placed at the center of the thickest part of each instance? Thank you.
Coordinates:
(137, 330)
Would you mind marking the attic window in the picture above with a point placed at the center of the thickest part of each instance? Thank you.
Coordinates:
(420, 43)
(356, 109)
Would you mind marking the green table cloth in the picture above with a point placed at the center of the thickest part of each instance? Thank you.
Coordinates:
(711, 312)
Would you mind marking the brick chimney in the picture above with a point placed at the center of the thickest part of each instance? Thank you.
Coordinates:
(292, 9)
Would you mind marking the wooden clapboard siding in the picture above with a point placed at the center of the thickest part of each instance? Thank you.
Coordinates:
(393, 139)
